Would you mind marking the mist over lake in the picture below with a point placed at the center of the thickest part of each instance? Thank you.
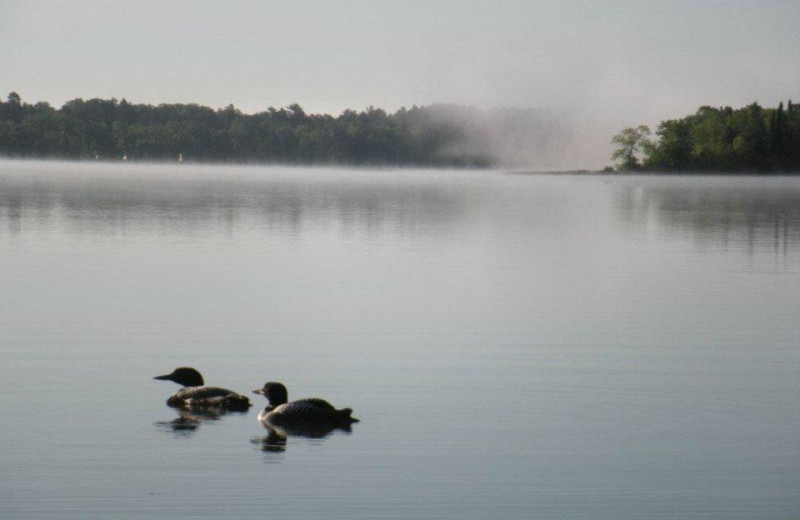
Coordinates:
(515, 346)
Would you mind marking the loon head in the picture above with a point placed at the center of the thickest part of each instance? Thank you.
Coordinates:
(276, 393)
(184, 376)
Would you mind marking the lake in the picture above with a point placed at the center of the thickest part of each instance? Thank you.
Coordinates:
(516, 346)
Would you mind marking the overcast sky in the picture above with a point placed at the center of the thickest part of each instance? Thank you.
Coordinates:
(605, 64)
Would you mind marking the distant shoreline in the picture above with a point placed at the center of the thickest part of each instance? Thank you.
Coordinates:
(438, 135)
(713, 141)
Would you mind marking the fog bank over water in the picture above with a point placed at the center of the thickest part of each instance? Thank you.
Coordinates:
(534, 139)
(739, 213)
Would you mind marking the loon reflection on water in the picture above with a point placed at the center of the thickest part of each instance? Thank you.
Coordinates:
(277, 435)
(195, 394)
(189, 421)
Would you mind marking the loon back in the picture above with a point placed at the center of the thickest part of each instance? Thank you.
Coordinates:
(303, 417)
(196, 395)
(208, 396)
(312, 410)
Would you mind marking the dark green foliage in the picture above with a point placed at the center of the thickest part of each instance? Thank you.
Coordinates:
(437, 135)
(749, 139)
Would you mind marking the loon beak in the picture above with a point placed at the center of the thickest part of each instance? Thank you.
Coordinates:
(259, 391)
(163, 378)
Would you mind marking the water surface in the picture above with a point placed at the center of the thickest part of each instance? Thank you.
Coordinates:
(516, 346)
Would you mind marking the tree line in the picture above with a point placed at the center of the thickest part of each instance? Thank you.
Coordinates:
(434, 135)
(748, 139)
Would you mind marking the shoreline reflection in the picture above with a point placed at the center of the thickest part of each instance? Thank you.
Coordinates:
(110, 201)
(748, 214)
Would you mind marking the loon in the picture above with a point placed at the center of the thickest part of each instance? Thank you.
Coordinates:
(301, 414)
(195, 394)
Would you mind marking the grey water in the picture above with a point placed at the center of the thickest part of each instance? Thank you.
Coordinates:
(516, 346)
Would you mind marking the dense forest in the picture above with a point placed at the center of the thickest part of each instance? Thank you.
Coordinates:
(748, 139)
(435, 135)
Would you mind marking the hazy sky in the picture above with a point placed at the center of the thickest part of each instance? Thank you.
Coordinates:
(605, 64)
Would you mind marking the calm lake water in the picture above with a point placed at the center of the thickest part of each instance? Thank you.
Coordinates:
(516, 346)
